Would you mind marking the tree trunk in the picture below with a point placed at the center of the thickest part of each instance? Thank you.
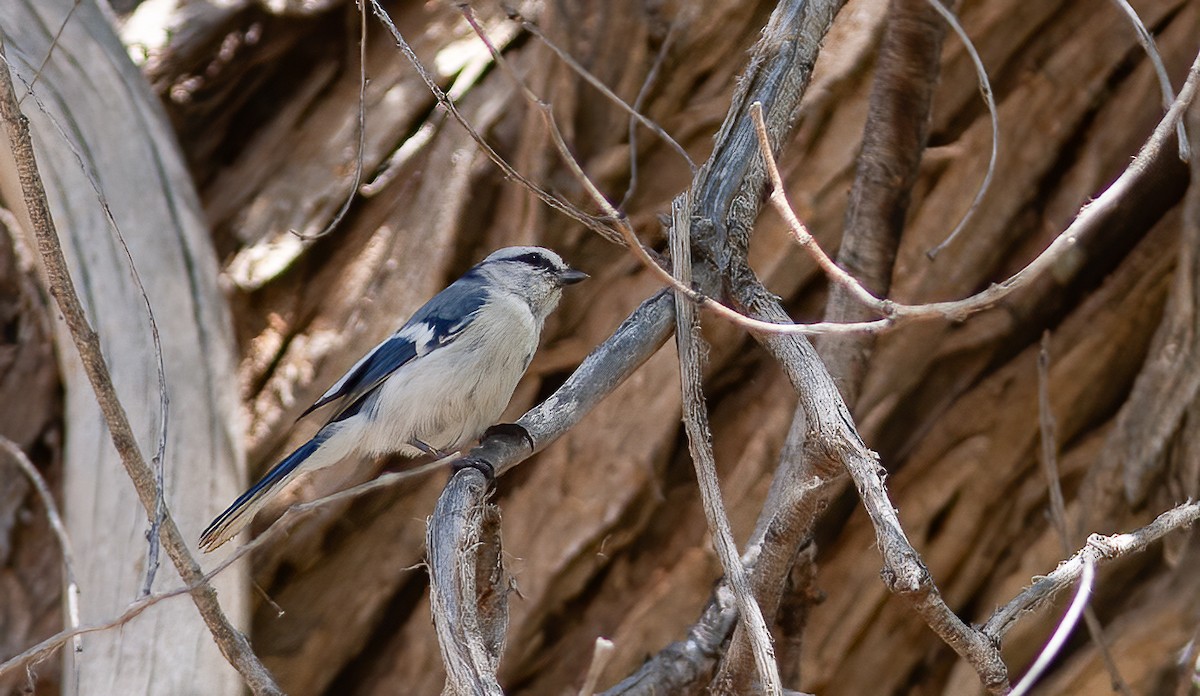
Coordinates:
(103, 148)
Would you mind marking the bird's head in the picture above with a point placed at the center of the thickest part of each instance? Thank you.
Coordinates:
(535, 274)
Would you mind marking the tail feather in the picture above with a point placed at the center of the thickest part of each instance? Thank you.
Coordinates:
(242, 511)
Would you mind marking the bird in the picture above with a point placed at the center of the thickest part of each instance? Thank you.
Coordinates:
(433, 386)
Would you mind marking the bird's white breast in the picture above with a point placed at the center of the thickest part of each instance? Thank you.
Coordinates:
(448, 397)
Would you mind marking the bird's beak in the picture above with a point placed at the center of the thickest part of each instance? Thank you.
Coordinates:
(572, 276)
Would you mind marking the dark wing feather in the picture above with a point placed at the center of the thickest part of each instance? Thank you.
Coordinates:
(436, 323)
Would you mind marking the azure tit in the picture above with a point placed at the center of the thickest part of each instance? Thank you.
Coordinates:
(436, 384)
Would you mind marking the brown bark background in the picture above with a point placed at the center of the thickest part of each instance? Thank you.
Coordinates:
(604, 534)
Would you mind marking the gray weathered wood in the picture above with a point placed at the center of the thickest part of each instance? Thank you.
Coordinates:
(97, 126)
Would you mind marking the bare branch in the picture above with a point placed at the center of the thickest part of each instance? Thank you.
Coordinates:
(1100, 550)
(164, 402)
(985, 88)
(832, 435)
(1164, 80)
(695, 420)
(269, 536)
(651, 78)
(448, 104)
(1059, 638)
(603, 88)
(1091, 217)
(1058, 510)
(232, 643)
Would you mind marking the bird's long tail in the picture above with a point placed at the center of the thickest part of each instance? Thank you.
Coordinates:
(236, 516)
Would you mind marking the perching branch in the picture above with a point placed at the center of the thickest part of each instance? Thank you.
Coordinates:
(467, 585)
(232, 643)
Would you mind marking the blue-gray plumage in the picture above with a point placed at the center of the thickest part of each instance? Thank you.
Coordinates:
(433, 386)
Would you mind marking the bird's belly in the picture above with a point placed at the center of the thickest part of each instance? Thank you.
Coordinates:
(450, 400)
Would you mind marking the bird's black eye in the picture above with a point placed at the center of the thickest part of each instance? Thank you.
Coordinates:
(535, 260)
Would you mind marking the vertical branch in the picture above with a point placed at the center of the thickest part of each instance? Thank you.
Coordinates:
(467, 584)
(1058, 507)
(695, 419)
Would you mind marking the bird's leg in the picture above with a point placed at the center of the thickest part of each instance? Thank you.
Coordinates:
(511, 429)
(427, 449)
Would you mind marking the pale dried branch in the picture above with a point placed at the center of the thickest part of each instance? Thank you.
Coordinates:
(726, 196)
(893, 140)
(1058, 509)
(989, 100)
(1061, 633)
(1100, 550)
(832, 435)
(1091, 217)
(1160, 70)
(690, 347)
(232, 643)
(601, 654)
(56, 525)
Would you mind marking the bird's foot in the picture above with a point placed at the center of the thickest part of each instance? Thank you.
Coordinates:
(482, 466)
(511, 429)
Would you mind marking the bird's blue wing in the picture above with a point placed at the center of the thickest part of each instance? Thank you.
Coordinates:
(435, 324)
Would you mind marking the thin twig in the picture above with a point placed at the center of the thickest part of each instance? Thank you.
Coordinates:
(627, 233)
(1099, 549)
(651, 78)
(1164, 80)
(985, 89)
(232, 643)
(886, 170)
(1059, 638)
(362, 130)
(1089, 218)
(1058, 508)
(270, 535)
(37, 74)
(695, 420)
(164, 401)
(1047, 426)
(565, 207)
(600, 86)
(56, 525)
